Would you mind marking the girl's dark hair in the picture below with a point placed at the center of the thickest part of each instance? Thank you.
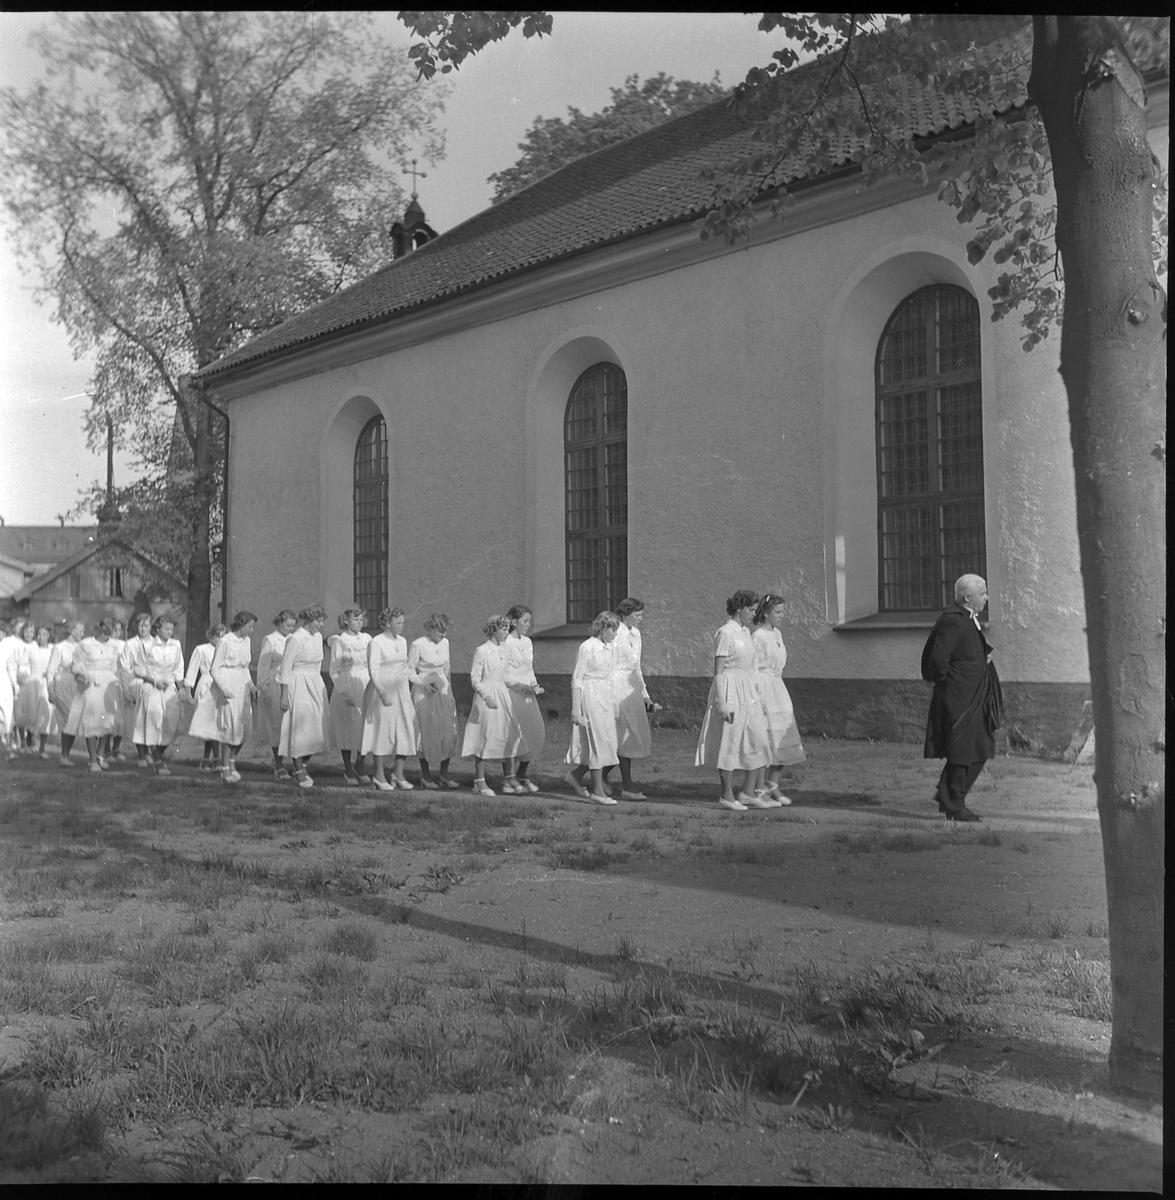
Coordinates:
(628, 606)
(389, 615)
(103, 626)
(741, 599)
(514, 614)
(314, 613)
(769, 601)
(285, 615)
(157, 623)
(439, 621)
(494, 623)
(242, 619)
(217, 630)
(142, 616)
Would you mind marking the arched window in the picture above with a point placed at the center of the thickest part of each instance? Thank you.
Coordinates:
(929, 450)
(371, 518)
(595, 444)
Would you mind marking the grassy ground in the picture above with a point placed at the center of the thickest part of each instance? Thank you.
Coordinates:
(205, 983)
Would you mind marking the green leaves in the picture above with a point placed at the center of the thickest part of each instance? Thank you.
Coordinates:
(451, 37)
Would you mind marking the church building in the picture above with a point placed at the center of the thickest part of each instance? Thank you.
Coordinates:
(570, 398)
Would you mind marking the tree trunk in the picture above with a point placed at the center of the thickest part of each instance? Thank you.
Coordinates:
(1113, 362)
(199, 561)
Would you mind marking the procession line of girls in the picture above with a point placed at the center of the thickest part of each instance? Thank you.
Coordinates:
(750, 726)
(26, 713)
(391, 701)
(101, 688)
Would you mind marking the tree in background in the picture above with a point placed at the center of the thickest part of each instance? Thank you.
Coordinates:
(1058, 168)
(552, 142)
(183, 181)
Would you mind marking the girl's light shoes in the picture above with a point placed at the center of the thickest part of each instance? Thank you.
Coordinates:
(382, 784)
(351, 780)
(162, 769)
(733, 805)
(96, 768)
(404, 785)
(450, 784)
(603, 799)
(65, 761)
(303, 779)
(576, 786)
(776, 795)
(481, 788)
(429, 785)
(511, 786)
(233, 776)
(757, 800)
(633, 796)
(527, 785)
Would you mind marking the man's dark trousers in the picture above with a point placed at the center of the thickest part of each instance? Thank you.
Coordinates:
(954, 783)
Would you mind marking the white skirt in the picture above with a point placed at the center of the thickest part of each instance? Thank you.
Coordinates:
(346, 720)
(304, 726)
(491, 732)
(595, 745)
(741, 744)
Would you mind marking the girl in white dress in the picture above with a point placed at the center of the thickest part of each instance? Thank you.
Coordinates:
(130, 675)
(389, 718)
(593, 711)
(8, 644)
(734, 731)
(267, 728)
(224, 713)
(198, 682)
(432, 697)
(524, 693)
(96, 711)
(784, 748)
(62, 684)
(27, 635)
(490, 731)
(113, 743)
(34, 709)
(157, 708)
(348, 672)
(634, 739)
(304, 729)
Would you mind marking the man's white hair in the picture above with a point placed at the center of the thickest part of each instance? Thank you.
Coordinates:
(967, 585)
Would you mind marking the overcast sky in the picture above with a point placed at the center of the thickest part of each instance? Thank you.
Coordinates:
(494, 99)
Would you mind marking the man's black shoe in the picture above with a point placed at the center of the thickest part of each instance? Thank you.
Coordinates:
(964, 814)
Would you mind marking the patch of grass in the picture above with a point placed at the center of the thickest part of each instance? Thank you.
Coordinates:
(1097, 929)
(62, 945)
(988, 837)
(1057, 925)
(38, 988)
(332, 978)
(1084, 983)
(585, 857)
(392, 990)
(35, 1132)
(354, 940)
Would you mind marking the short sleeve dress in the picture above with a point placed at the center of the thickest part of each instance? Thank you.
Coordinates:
(224, 713)
(34, 711)
(634, 738)
(784, 747)
(62, 685)
(524, 705)
(594, 745)
(157, 711)
(436, 710)
(8, 688)
(134, 652)
(126, 712)
(267, 725)
(348, 673)
(389, 728)
(490, 732)
(304, 729)
(96, 710)
(741, 744)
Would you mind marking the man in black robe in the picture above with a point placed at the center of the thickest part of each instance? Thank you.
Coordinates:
(967, 704)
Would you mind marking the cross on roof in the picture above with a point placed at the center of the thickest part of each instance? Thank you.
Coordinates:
(414, 172)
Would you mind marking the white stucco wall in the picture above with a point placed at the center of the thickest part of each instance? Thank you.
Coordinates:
(751, 459)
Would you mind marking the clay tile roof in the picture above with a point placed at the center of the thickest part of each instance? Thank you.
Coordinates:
(635, 186)
(43, 544)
